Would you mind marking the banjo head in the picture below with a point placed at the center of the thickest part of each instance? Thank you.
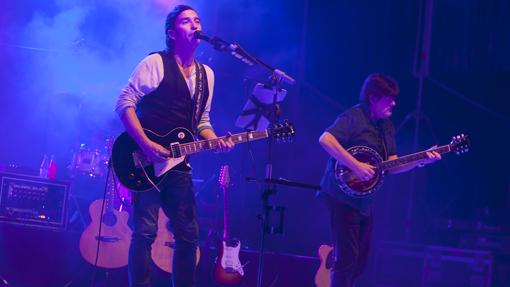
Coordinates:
(349, 183)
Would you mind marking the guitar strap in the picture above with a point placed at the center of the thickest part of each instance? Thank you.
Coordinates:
(382, 134)
(199, 98)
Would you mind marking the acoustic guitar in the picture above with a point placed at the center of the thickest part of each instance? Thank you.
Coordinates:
(163, 246)
(105, 241)
(323, 275)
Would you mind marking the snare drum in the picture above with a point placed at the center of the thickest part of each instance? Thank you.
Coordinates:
(88, 162)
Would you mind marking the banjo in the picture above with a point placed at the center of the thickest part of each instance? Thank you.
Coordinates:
(351, 185)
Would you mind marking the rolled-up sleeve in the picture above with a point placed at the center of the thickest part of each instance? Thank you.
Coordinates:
(145, 78)
(205, 120)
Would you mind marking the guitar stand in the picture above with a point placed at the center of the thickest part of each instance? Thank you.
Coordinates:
(77, 214)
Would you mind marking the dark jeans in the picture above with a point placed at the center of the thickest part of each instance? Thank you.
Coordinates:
(351, 239)
(177, 199)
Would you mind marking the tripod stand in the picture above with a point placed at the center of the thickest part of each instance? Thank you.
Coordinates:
(421, 71)
(261, 110)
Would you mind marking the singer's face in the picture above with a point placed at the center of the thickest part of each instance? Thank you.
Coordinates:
(185, 25)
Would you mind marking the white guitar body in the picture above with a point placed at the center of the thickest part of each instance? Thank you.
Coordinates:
(161, 167)
(230, 258)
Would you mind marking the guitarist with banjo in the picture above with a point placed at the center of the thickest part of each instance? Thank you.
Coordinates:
(358, 140)
(168, 90)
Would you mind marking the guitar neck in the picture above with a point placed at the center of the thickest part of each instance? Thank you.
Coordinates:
(110, 196)
(226, 233)
(394, 163)
(204, 145)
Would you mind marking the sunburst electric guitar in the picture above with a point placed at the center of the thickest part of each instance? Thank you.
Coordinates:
(227, 269)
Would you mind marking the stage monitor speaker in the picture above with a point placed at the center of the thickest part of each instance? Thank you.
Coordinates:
(401, 264)
(33, 201)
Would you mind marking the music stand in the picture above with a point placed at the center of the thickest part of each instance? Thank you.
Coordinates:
(259, 109)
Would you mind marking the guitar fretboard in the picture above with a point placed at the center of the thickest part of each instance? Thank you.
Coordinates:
(203, 145)
(389, 164)
(226, 218)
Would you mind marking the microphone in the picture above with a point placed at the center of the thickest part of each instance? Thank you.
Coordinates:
(222, 45)
(218, 43)
(241, 54)
(200, 35)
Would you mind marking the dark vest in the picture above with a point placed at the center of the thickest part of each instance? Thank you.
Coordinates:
(170, 105)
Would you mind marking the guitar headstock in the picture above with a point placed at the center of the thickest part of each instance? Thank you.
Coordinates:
(224, 178)
(460, 144)
(283, 131)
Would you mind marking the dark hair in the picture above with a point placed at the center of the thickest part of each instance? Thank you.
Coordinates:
(170, 22)
(378, 85)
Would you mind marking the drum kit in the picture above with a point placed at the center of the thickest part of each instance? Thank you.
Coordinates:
(88, 162)
(92, 163)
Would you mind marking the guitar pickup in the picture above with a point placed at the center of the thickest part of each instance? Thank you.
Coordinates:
(175, 151)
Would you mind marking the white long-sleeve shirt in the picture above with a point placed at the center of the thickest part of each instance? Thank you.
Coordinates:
(146, 78)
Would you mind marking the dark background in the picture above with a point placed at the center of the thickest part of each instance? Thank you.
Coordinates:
(64, 63)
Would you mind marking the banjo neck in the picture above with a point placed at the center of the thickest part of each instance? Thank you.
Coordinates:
(394, 163)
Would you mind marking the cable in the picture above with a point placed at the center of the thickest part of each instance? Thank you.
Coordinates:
(100, 225)
(147, 176)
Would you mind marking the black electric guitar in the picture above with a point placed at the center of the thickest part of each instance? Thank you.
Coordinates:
(352, 186)
(227, 269)
(136, 173)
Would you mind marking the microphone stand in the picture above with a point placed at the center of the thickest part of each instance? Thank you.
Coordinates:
(237, 51)
(276, 79)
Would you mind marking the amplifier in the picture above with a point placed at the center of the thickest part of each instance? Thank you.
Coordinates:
(33, 201)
